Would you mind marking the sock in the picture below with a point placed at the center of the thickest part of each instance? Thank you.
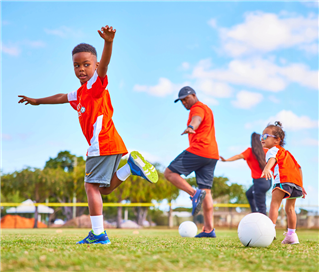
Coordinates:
(97, 224)
(290, 231)
(124, 172)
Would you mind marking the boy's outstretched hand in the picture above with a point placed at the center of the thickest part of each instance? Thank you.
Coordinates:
(28, 100)
(107, 33)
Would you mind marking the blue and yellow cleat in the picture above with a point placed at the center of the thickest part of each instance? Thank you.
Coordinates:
(102, 238)
(140, 167)
(197, 201)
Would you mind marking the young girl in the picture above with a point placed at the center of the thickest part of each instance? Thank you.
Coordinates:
(287, 178)
(255, 157)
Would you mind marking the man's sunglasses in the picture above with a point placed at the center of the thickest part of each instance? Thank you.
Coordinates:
(265, 136)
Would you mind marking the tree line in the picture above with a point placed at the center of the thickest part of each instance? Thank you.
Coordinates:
(62, 179)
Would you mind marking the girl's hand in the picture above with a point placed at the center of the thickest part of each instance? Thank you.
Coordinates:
(304, 193)
(28, 100)
(266, 173)
(107, 33)
(222, 159)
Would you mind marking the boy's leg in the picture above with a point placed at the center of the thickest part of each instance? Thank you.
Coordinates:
(277, 196)
(114, 183)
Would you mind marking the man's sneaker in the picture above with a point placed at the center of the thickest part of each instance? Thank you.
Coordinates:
(102, 238)
(204, 234)
(290, 238)
(197, 201)
(140, 167)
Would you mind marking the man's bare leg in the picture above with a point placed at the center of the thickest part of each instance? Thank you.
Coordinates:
(179, 182)
(207, 206)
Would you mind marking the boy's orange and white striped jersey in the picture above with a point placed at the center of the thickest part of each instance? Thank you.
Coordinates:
(286, 168)
(93, 104)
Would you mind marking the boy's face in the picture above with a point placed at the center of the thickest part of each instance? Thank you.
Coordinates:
(84, 64)
(189, 101)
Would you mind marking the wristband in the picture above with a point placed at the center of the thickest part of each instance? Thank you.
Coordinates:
(191, 127)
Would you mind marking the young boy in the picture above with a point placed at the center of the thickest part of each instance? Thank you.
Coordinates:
(93, 104)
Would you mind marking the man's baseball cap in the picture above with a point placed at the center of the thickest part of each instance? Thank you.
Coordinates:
(184, 92)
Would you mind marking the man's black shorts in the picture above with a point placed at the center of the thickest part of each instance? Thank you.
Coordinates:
(188, 162)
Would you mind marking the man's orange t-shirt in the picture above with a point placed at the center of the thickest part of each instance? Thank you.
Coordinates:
(286, 168)
(93, 104)
(203, 143)
(253, 162)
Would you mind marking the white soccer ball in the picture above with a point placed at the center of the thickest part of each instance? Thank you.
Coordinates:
(256, 230)
(188, 229)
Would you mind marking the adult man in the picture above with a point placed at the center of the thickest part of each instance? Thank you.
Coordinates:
(201, 157)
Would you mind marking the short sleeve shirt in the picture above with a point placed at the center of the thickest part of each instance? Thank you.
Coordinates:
(93, 104)
(203, 143)
(286, 168)
(253, 162)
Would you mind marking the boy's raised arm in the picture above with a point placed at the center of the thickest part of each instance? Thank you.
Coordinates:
(107, 33)
(54, 99)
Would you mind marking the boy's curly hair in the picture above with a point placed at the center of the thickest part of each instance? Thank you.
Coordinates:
(84, 47)
(277, 131)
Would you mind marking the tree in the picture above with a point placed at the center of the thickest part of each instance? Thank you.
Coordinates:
(31, 183)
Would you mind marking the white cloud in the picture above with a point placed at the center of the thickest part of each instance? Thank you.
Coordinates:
(209, 101)
(274, 99)
(212, 23)
(35, 44)
(12, 50)
(306, 142)
(64, 32)
(289, 120)
(266, 32)
(6, 137)
(258, 73)
(163, 88)
(213, 88)
(247, 100)
(185, 65)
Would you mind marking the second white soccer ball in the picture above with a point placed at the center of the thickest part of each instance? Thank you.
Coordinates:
(256, 230)
(188, 229)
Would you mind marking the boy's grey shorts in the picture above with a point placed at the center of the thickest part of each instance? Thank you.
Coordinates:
(100, 169)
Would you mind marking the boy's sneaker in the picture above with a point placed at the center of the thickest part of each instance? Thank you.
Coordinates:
(140, 167)
(102, 238)
(203, 234)
(197, 201)
(290, 238)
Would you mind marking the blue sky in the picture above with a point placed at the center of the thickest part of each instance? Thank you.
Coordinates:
(252, 63)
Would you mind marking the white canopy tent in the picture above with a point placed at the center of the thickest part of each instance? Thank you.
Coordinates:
(27, 206)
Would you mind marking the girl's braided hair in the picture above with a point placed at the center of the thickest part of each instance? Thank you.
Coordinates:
(277, 131)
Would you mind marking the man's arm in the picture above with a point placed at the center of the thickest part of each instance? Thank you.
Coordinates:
(234, 158)
(267, 168)
(107, 33)
(195, 122)
(55, 99)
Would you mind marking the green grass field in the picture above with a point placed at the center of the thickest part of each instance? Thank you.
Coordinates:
(152, 250)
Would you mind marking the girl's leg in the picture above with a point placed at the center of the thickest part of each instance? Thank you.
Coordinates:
(250, 197)
(277, 196)
(291, 214)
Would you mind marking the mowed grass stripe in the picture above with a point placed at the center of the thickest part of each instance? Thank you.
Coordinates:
(152, 250)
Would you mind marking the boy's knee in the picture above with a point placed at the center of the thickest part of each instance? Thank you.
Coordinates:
(289, 210)
(105, 190)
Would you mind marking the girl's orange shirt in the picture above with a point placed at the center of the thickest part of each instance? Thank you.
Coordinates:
(286, 168)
